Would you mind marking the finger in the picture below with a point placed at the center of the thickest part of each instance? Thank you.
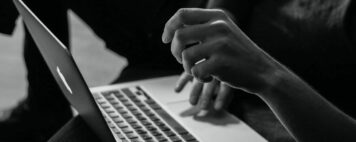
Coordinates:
(196, 91)
(207, 94)
(188, 16)
(194, 55)
(203, 71)
(185, 37)
(182, 81)
(223, 97)
(200, 53)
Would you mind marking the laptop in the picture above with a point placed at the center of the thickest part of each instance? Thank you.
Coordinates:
(144, 110)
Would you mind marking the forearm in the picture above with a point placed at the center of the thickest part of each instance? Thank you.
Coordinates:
(307, 115)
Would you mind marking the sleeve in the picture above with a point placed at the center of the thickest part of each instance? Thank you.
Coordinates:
(8, 16)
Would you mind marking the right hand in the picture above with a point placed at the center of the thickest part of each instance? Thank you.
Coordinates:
(203, 94)
(227, 54)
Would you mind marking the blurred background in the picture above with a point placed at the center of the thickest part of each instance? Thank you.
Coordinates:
(98, 65)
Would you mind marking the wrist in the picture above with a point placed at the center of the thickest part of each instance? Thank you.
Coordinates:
(272, 79)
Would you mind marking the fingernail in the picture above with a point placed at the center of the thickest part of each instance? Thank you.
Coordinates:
(177, 89)
(192, 101)
(204, 105)
(218, 105)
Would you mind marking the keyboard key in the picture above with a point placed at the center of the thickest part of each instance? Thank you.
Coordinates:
(149, 113)
(140, 117)
(121, 136)
(136, 140)
(175, 139)
(131, 121)
(110, 98)
(150, 101)
(119, 95)
(118, 107)
(132, 135)
(161, 139)
(145, 109)
(127, 104)
(180, 130)
(136, 112)
(151, 128)
(164, 128)
(111, 125)
(159, 123)
(127, 130)
(115, 103)
(96, 96)
(146, 123)
(113, 115)
(140, 104)
(132, 108)
(154, 118)
(146, 136)
(117, 120)
(122, 111)
(135, 100)
(150, 140)
(123, 100)
(155, 106)
(105, 106)
(136, 126)
(141, 131)
(101, 102)
(115, 130)
(122, 125)
(169, 133)
(110, 111)
(188, 137)
(155, 133)
(126, 116)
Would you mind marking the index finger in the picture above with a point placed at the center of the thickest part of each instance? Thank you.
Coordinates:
(182, 81)
(188, 16)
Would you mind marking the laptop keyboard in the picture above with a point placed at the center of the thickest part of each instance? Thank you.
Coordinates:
(136, 117)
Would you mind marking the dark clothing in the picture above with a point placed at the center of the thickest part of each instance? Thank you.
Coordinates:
(319, 47)
(314, 45)
(314, 38)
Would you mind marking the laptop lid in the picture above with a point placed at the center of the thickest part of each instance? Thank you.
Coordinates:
(65, 71)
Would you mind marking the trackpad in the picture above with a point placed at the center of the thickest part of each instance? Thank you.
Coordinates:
(211, 126)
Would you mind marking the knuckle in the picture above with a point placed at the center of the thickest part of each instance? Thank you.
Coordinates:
(221, 26)
(181, 13)
(175, 51)
(225, 43)
(221, 13)
(186, 56)
(197, 73)
(221, 45)
(218, 64)
(179, 35)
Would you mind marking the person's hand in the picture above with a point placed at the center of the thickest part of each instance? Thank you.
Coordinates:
(210, 45)
(205, 94)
